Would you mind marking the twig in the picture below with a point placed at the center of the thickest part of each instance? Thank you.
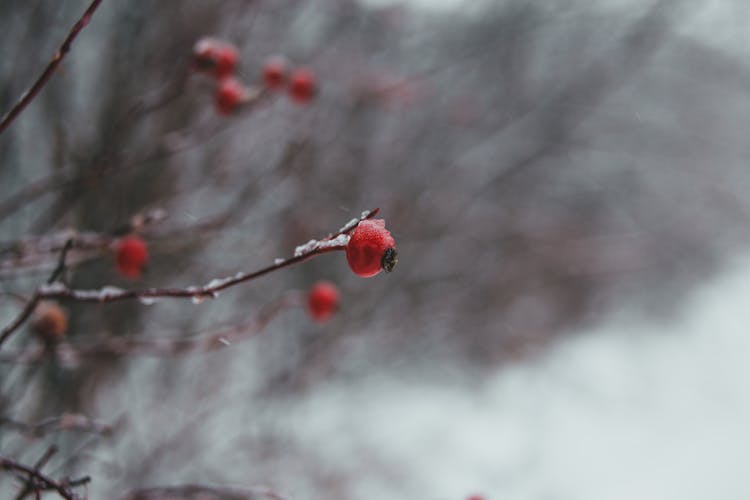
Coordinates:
(30, 486)
(60, 262)
(64, 422)
(34, 253)
(119, 346)
(201, 491)
(43, 481)
(34, 300)
(29, 95)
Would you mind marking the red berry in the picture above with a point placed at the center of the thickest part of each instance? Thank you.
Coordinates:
(229, 95)
(50, 322)
(371, 249)
(131, 256)
(475, 497)
(274, 72)
(302, 86)
(215, 56)
(322, 301)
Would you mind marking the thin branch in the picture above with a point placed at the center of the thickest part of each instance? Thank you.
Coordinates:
(60, 262)
(20, 319)
(118, 346)
(34, 300)
(30, 484)
(65, 422)
(35, 253)
(201, 491)
(331, 243)
(29, 95)
(43, 481)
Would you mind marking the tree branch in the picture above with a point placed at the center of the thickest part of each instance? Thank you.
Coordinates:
(29, 95)
(42, 481)
(57, 290)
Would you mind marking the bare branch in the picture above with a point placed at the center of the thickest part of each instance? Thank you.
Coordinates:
(42, 481)
(29, 95)
(65, 422)
(34, 300)
(118, 346)
(203, 492)
(331, 243)
(30, 486)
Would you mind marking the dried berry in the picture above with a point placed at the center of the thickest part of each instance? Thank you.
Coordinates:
(50, 322)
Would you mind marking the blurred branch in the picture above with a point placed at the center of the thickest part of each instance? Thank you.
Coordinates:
(29, 95)
(31, 253)
(30, 486)
(34, 300)
(123, 346)
(43, 482)
(198, 491)
(64, 422)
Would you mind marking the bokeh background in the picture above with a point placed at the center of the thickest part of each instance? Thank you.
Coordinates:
(567, 185)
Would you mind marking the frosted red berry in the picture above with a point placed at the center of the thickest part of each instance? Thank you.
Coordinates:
(322, 301)
(476, 497)
(275, 72)
(131, 256)
(50, 322)
(230, 94)
(302, 87)
(371, 249)
(215, 56)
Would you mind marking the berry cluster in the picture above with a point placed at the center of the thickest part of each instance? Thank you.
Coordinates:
(219, 59)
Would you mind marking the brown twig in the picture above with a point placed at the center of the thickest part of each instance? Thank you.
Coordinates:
(118, 346)
(201, 491)
(30, 486)
(64, 422)
(29, 95)
(22, 256)
(42, 481)
(34, 300)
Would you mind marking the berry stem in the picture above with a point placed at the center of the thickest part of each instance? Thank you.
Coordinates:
(30, 94)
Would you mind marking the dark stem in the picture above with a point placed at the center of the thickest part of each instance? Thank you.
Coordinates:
(30, 94)
(42, 480)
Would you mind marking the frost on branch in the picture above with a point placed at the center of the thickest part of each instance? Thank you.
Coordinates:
(339, 241)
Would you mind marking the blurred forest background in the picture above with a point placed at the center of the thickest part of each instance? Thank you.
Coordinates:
(543, 166)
